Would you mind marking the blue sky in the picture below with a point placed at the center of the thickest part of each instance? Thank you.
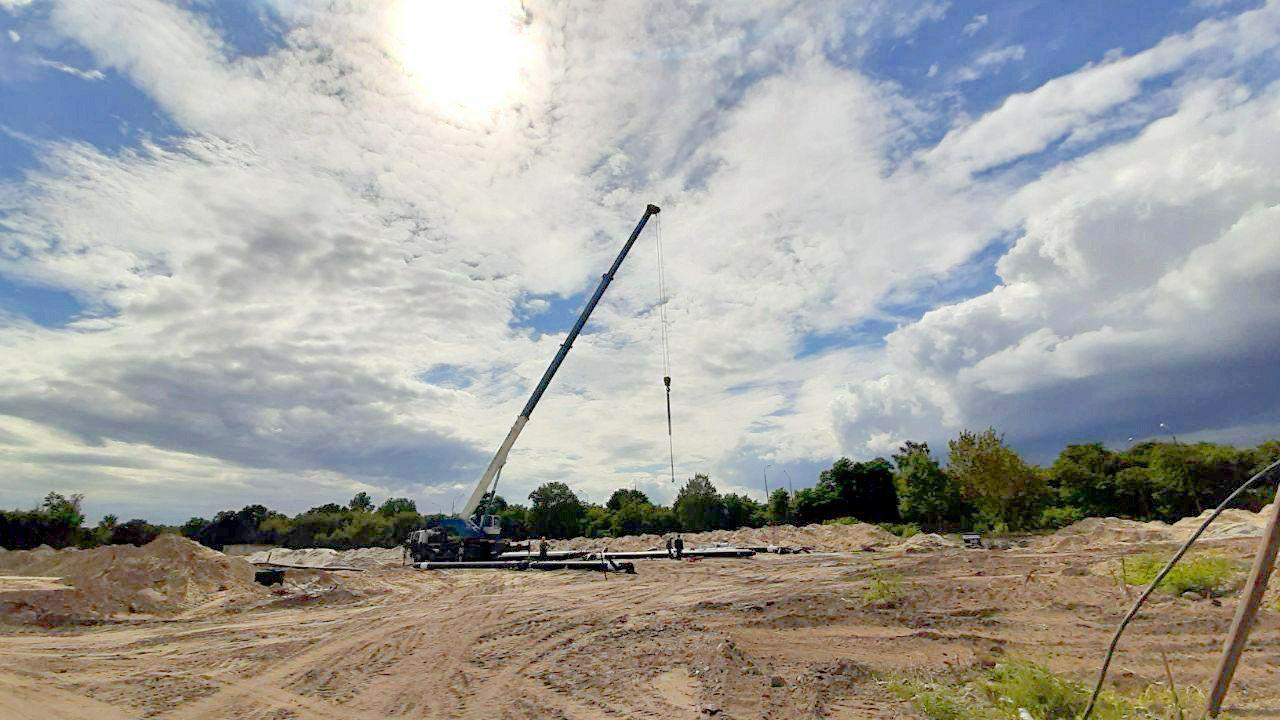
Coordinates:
(270, 251)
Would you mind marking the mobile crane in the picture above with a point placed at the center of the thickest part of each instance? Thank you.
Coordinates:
(474, 534)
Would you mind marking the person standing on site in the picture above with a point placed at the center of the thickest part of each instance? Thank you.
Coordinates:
(542, 548)
(669, 546)
(679, 546)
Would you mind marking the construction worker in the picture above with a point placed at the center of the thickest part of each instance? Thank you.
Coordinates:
(678, 544)
(669, 546)
(542, 548)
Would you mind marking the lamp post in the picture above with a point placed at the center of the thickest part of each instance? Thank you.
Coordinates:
(1166, 429)
(766, 483)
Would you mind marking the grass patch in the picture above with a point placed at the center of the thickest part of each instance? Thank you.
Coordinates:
(902, 530)
(1207, 574)
(1010, 688)
(885, 588)
(846, 520)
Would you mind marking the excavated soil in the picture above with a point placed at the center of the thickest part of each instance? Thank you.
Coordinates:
(1103, 532)
(362, 558)
(768, 637)
(170, 575)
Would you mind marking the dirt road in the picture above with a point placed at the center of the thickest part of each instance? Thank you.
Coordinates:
(771, 637)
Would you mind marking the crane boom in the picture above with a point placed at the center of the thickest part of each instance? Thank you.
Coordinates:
(500, 458)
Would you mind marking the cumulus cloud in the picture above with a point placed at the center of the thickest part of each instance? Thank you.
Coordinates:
(328, 281)
(1139, 288)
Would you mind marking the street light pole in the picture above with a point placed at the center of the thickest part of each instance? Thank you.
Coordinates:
(766, 483)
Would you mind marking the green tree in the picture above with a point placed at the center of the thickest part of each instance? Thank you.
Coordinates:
(366, 529)
(630, 516)
(274, 530)
(741, 511)
(1008, 493)
(596, 521)
(815, 504)
(1084, 478)
(698, 506)
(361, 502)
(101, 534)
(403, 523)
(926, 493)
(515, 521)
(64, 518)
(193, 527)
(555, 511)
(395, 506)
(861, 489)
(134, 532)
(779, 510)
(622, 495)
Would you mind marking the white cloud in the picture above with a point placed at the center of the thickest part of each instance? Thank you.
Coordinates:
(91, 75)
(990, 61)
(14, 36)
(272, 285)
(1028, 122)
(977, 23)
(1143, 284)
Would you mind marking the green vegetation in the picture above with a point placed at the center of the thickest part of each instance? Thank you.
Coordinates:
(1002, 691)
(902, 530)
(986, 487)
(886, 588)
(1207, 574)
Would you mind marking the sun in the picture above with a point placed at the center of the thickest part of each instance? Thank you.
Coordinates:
(467, 55)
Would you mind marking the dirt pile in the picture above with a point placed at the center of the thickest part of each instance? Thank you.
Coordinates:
(166, 577)
(823, 538)
(927, 542)
(363, 558)
(1100, 532)
(1232, 523)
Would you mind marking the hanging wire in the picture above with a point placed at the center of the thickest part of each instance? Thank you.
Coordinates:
(662, 306)
(666, 347)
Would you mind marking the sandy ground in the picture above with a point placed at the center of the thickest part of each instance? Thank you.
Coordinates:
(769, 637)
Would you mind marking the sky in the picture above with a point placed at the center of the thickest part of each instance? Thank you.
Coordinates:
(283, 251)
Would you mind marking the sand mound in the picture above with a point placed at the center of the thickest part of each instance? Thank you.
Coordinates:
(1098, 532)
(927, 542)
(363, 558)
(166, 577)
(1232, 523)
(828, 538)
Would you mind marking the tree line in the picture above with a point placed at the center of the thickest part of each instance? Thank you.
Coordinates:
(985, 486)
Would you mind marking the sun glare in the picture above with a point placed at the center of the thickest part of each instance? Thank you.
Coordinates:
(466, 54)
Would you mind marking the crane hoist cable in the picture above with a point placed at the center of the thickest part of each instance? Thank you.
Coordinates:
(666, 346)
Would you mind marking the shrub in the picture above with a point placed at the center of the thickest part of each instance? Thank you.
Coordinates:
(902, 530)
(1207, 574)
(885, 589)
(1060, 517)
(846, 520)
(1017, 684)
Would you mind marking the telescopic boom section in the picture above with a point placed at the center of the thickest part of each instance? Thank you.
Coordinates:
(500, 458)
